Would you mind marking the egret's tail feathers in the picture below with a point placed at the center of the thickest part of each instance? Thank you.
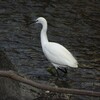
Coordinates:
(76, 66)
(73, 65)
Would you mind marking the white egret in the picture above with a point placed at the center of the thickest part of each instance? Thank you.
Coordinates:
(58, 55)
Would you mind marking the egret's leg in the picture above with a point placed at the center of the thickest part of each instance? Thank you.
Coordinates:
(64, 71)
(57, 70)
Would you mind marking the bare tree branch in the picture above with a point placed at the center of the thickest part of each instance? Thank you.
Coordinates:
(11, 74)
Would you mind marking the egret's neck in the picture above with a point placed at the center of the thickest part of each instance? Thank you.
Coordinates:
(44, 38)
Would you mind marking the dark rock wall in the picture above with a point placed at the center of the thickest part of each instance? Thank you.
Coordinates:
(9, 89)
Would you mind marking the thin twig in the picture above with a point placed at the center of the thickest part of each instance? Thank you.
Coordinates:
(12, 75)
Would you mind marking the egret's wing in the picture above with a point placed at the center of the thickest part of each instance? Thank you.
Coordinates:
(58, 54)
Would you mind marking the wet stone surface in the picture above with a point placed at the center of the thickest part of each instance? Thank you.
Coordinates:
(72, 23)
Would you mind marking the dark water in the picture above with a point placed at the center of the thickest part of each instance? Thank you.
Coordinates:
(72, 23)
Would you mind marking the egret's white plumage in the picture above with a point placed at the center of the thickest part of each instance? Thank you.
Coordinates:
(58, 55)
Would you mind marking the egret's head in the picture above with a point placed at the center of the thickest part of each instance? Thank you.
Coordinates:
(40, 20)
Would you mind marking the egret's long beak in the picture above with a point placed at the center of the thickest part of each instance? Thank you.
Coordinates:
(32, 22)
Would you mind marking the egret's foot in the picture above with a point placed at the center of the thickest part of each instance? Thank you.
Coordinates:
(61, 73)
(56, 72)
(63, 70)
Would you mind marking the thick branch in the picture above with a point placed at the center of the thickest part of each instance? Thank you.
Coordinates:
(12, 75)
